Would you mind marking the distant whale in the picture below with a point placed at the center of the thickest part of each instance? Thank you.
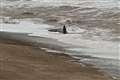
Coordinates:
(60, 30)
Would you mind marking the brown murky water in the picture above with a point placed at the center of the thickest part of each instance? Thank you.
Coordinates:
(100, 18)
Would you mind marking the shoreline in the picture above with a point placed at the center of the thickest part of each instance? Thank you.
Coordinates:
(34, 53)
(22, 60)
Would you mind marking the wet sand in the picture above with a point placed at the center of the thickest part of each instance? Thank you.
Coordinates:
(22, 61)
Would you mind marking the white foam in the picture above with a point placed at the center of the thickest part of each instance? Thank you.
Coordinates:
(24, 27)
(101, 53)
(97, 48)
(50, 50)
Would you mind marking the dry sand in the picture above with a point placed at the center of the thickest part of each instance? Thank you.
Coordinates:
(21, 61)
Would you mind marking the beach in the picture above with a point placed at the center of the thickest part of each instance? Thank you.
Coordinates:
(33, 46)
(22, 61)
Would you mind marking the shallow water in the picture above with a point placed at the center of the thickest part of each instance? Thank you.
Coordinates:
(92, 39)
(106, 59)
(95, 47)
(105, 62)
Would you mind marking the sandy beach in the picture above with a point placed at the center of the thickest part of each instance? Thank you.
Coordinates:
(32, 46)
(22, 61)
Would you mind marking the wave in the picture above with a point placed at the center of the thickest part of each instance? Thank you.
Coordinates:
(93, 47)
(79, 3)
